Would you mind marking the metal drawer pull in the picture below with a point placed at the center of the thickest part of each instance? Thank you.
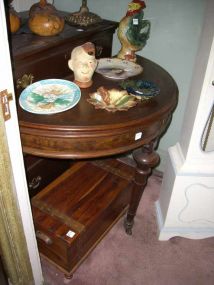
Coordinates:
(26, 80)
(35, 182)
(44, 237)
(99, 50)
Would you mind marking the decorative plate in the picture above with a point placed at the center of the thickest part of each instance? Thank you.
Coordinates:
(142, 89)
(50, 96)
(112, 100)
(115, 68)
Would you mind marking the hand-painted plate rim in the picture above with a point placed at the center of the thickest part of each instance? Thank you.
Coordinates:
(25, 93)
(130, 68)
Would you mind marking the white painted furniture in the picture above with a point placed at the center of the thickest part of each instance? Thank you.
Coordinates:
(186, 203)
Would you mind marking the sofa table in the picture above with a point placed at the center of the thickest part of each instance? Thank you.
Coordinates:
(84, 132)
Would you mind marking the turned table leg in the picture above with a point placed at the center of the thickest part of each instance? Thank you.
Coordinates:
(145, 159)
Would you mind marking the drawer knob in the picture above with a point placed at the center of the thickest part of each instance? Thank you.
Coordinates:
(26, 80)
(44, 237)
(35, 182)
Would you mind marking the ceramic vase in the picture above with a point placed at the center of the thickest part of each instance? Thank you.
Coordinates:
(133, 31)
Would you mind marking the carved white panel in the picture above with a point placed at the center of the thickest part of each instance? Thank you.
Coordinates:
(199, 205)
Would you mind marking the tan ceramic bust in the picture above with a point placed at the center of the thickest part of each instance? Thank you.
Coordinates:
(83, 64)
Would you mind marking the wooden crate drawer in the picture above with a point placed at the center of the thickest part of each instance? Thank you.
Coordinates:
(87, 199)
(53, 242)
(41, 171)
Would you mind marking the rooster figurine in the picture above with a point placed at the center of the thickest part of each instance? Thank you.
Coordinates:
(133, 31)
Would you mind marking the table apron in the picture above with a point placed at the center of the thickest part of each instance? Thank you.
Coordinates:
(80, 146)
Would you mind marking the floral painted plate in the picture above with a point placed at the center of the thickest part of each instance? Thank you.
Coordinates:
(117, 69)
(142, 89)
(50, 96)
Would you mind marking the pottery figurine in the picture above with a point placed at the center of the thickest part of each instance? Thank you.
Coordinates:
(83, 63)
(133, 31)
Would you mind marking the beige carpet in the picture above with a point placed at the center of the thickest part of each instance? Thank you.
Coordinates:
(141, 259)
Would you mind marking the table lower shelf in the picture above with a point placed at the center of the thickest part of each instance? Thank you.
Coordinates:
(75, 211)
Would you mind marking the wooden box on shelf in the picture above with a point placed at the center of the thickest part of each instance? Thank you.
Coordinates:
(74, 212)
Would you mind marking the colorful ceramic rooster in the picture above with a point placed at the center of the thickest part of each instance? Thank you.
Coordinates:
(133, 31)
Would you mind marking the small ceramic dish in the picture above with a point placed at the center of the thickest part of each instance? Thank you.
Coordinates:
(112, 100)
(117, 69)
(142, 89)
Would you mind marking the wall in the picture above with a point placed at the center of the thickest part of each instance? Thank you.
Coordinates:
(174, 39)
(23, 5)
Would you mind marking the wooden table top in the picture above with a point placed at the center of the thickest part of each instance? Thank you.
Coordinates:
(84, 132)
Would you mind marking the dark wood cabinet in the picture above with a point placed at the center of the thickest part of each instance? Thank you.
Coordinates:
(47, 57)
(40, 172)
(35, 58)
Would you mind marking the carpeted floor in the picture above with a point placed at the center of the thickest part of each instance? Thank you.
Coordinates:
(141, 259)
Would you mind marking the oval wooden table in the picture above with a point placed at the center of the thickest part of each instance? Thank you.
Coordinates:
(85, 132)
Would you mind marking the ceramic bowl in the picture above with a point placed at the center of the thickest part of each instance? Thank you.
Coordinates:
(142, 89)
